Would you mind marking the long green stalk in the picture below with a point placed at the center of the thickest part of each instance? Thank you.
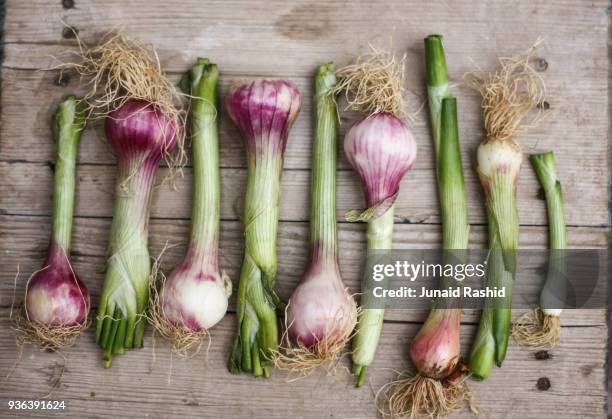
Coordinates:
(277, 102)
(370, 321)
(545, 168)
(445, 316)
(449, 169)
(323, 229)
(257, 302)
(121, 315)
(205, 213)
(68, 124)
(493, 334)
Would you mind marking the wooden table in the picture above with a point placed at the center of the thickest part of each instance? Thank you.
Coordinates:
(288, 39)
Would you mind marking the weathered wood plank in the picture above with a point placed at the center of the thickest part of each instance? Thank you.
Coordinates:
(27, 189)
(32, 142)
(289, 38)
(29, 240)
(143, 384)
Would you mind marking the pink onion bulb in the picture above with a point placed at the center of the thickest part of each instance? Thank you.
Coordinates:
(381, 149)
(139, 129)
(193, 298)
(321, 307)
(435, 349)
(55, 295)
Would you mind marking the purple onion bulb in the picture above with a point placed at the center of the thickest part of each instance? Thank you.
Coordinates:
(381, 149)
(55, 294)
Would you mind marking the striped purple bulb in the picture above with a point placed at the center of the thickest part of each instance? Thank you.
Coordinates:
(55, 295)
(381, 149)
(264, 111)
(138, 128)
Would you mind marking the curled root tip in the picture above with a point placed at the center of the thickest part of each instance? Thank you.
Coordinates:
(537, 330)
(418, 396)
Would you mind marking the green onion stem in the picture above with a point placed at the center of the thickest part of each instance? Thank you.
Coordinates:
(449, 169)
(545, 168)
(493, 334)
(121, 314)
(323, 231)
(68, 124)
(205, 216)
(437, 83)
(370, 321)
(257, 303)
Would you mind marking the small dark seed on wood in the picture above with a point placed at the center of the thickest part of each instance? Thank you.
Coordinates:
(92, 394)
(69, 32)
(68, 4)
(586, 370)
(541, 64)
(543, 355)
(543, 384)
(544, 105)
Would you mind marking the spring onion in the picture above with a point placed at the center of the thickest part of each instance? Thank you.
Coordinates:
(195, 296)
(56, 300)
(507, 97)
(321, 314)
(541, 328)
(381, 149)
(264, 111)
(438, 388)
(142, 125)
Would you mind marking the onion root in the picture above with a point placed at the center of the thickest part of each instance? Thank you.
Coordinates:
(537, 330)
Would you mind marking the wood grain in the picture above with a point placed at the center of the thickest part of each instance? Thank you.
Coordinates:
(277, 38)
(27, 189)
(91, 235)
(155, 385)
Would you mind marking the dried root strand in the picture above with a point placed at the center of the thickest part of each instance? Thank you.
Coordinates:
(374, 84)
(509, 94)
(537, 330)
(120, 69)
(299, 361)
(417, 396)
(51, 338)
(185, 343)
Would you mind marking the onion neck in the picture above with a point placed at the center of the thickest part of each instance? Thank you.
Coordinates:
(370, 321)
(133, 199)
(502, 215)
(380, 231)
(261, 208)
(323, 229)
(205, 217)
(69, 122)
